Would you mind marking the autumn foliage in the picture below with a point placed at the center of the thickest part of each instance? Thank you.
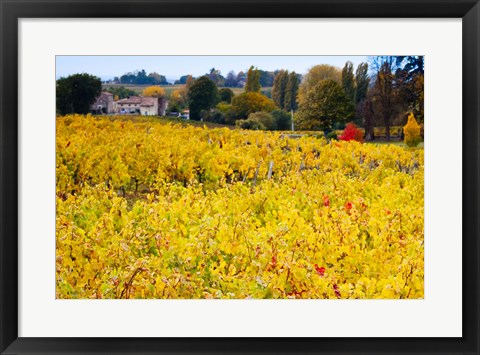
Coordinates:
(412, 132)
(351, 133)
(149, 209)
(250, 102)
(154, 91)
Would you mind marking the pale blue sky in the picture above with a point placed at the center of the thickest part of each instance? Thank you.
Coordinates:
(106, 67)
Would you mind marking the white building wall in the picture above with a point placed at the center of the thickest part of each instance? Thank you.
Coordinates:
(148, 110)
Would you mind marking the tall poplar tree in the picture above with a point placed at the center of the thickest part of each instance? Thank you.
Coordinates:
(348, 81)
(253, 80)
(291, 92)
(279, 88)
(362, 80)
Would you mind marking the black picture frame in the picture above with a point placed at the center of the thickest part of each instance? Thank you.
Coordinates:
(12, 10)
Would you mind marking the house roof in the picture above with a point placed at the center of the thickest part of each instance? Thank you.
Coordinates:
(131, 100)
(138, 100)
(148, 101)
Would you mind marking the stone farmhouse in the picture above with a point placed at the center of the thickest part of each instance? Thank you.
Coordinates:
(104, 104)
(133, 105)
(139, 105)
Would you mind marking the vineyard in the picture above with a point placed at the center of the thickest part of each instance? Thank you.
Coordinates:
(148, 209)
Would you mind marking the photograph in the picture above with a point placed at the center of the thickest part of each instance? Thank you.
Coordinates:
(239, 177)
(259, 177)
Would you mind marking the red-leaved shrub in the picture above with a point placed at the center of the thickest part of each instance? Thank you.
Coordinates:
(351, 133)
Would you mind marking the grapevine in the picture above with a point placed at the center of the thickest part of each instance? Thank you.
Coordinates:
(149, 209)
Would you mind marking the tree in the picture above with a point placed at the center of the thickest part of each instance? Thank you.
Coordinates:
(226, 95)
(314, 76)
(279, 88)
(365, 109)
(202, 95)
(412, 64)
(157, 79)
(410, 82)
(283, 120)
(385, 91)
(291, 92)
(178, 100)
(253, 80)
(324, 105)
(231, 80)
(249, 102)
(348, 81)
(128, 78)
(362, 80)
(182, 80)
(189, 82)
(216, 77)
(154, 91)
(140, 77)
(412, 132)
(241, 78)
(76, 93)
(266, 78)
(418, 88)
(398, 88)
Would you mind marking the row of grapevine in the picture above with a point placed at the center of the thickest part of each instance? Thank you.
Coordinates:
(126, 154)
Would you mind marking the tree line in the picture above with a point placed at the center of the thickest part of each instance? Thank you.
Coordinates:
(140, 77)
(251, 109)
(234, 80)
(380, 92)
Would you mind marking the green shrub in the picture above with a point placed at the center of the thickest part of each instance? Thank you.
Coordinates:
(332, 135)
(265, 119)
(226, 95)
(282, 119)
(249, 124)
(214, 116)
